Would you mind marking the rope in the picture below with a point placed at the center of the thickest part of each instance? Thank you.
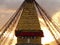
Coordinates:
(39, 9)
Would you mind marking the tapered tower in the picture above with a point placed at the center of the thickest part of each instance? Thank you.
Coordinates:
(28, 30)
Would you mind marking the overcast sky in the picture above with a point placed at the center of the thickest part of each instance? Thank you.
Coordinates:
(49, 5)
(8, 7)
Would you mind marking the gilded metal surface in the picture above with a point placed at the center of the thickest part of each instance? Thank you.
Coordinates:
(29, 18)
(29, 21)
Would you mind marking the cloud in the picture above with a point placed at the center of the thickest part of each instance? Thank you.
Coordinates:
(56, 18)
(50, 6)
(5, 15)
(10, 4)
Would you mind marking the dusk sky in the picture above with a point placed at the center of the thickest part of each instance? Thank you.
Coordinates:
(8, 8)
